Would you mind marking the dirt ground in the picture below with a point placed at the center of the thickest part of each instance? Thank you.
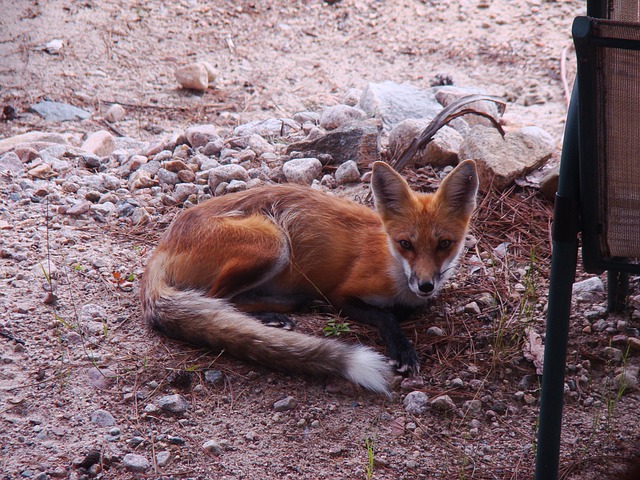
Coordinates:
(61, 363)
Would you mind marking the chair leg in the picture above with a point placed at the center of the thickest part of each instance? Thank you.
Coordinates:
(563, 270)
(617, 290)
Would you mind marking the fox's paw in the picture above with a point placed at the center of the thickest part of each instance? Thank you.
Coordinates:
(278, 320)
(406, 361)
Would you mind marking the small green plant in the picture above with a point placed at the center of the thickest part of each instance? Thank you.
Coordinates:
(368, 468)
(77, 267)
(336, 328)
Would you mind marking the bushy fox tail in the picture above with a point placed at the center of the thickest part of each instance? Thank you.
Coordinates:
(190, 316)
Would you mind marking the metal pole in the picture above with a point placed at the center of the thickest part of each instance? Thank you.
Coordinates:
(563, 269)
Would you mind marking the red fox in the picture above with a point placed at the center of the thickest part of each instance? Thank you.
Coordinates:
(228, 268)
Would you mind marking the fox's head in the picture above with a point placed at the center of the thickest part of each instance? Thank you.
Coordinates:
(426, 232)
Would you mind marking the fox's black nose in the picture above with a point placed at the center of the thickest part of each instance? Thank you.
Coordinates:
(426, 287)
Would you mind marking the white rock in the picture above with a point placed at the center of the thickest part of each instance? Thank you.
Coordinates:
(115, 113)
(211, 72)
(193, 76)
(337, 115)
(302, 170)
(100, 143)
(347, 173)
(393, 102)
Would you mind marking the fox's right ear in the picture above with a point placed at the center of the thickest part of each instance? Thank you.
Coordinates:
(460, 188)
(391, 192)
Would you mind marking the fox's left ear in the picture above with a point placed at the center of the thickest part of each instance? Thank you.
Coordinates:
(391, 192)
(459, 189)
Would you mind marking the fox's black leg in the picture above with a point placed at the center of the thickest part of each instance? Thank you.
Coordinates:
(398, 347)
(273, 319)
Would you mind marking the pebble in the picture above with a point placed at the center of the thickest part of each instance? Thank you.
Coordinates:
(443, 403)
(337, 115)
(202, 135)
(416, 403)
(285, 404)
(226, 173)
(163, 458)
(302, 170)
(193, 76)
(102, 418)
(435, 331)
(347, 172)
(100, 143)
(135, 462)
(115, 113)
(217, 447)
(173, 403)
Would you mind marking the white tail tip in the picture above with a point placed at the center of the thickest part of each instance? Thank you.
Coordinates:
(369, 369)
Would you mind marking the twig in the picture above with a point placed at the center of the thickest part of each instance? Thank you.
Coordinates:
(450, 112)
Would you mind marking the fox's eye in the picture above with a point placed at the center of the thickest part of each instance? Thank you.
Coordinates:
(444, 244)
(406, 244)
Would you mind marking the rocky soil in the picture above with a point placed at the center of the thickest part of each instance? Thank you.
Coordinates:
(87, 392)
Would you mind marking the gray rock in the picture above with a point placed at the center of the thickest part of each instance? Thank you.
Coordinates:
(115, 113)
(549, 183)
(236, 186)
(435, 331)
(79, 208)
(102, 418)
(92, 312)
(284, 404)
(473, 308)
(272, 127)
(338, 115)
(101, 378)
(110, 182)
(500, 161)
(302, 170)
(141, 179)
(441, 151)
(201, 135)
(10, 162)
(183, 191)
(226, 173)
(353, 141)
(140, 216)
(416, 403)
(593, 284)
(347, 173)
(135, 463)
(443, 403)
(167, 178)
(613, 354)
(393, 102)
(473, 407)
(352, 97)
(163, 458)
(215, 447)
(213, 376)
(59, 112)
(307, 117)
(173, 403)
(626, 380)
